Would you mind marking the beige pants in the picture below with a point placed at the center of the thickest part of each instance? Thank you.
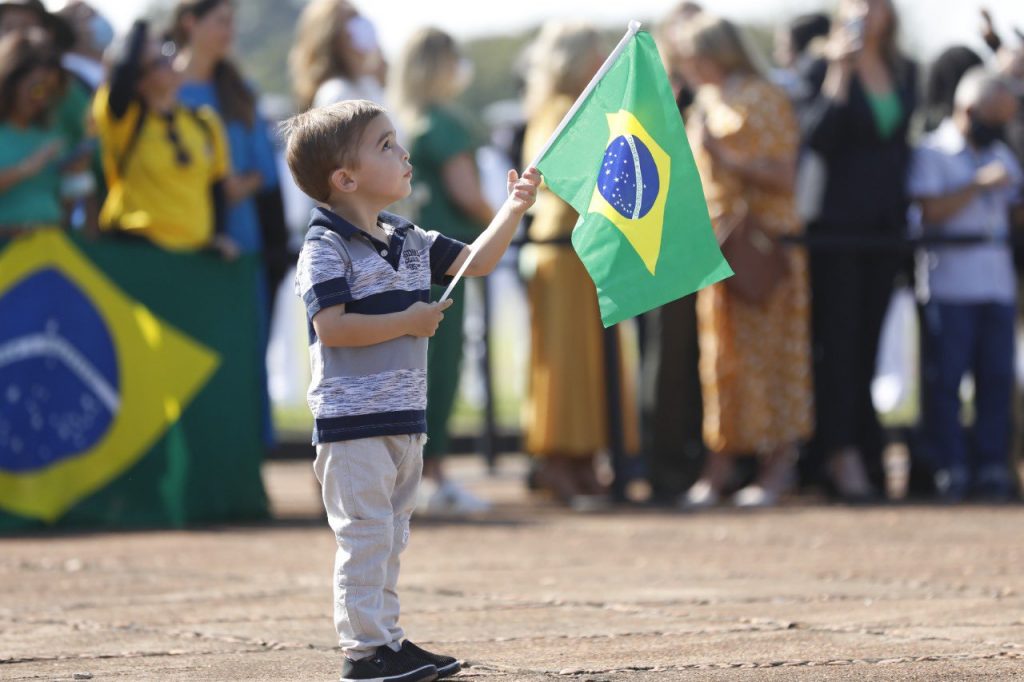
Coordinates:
(369, 491)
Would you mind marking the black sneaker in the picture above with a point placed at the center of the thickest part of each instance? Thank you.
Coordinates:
(446, 665)
(388, 666)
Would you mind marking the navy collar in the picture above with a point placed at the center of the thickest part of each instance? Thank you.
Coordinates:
(325, 217)
(391, 252)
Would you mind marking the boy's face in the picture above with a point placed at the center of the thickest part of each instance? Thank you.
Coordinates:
(384, 173)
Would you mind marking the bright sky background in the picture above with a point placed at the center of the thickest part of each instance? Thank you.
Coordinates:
(928, 25)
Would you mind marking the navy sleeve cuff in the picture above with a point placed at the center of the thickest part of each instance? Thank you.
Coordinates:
(325, 294)
(443, 253)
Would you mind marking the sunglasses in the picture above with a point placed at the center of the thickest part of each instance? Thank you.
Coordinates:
(181, 154)
(40, 91)
(42, 88)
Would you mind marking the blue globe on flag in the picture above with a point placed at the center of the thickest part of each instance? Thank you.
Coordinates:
(629, 177)
(59, 383)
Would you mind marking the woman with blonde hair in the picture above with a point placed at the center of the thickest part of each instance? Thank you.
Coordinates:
(755, 356)
(565, 416)
(203, 32)
(336, 56)
(430, 74)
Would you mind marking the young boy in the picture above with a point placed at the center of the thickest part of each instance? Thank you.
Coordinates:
(365, 278)
(965, 181)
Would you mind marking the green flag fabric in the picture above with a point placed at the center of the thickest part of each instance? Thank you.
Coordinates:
(129, 383)
(623, 162)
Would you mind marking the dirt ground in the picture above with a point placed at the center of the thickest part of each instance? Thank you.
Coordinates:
(527, 592)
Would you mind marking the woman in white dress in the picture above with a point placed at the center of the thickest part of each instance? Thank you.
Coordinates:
(336, 56)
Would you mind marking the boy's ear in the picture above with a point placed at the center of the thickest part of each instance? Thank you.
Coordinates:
(342, 180)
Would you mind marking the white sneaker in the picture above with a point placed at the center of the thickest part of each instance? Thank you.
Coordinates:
(700, 496)
(451, 499)
(755, 497)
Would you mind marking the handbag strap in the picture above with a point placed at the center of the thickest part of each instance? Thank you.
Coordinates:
(732, 222)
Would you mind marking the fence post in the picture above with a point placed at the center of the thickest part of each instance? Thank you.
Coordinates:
(613, 390)
(488, 438)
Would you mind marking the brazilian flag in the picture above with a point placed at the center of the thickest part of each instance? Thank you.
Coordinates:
(129, 390)
(621, 159)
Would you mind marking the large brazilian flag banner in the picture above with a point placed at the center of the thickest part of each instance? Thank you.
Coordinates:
(621, 159)
(128, 386)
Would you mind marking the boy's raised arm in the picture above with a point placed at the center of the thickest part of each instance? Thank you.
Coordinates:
(488, 248)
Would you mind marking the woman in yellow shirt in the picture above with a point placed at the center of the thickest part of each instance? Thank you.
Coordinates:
(165, 164)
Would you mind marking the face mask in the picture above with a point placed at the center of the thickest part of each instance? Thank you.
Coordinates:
(102, 32)
(983, 135)
(362, 34)
(463, 74)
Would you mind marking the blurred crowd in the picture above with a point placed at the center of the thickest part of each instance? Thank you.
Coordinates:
(819, 167)
(839, 153)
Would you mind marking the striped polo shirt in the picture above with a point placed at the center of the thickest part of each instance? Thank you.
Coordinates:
(378, 390)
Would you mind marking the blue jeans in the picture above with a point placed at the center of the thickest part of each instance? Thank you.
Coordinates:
(976, 338)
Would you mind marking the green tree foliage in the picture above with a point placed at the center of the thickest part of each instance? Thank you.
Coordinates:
(266, 29)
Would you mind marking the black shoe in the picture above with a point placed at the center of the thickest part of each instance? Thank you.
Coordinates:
(446, 665)
(388, 666)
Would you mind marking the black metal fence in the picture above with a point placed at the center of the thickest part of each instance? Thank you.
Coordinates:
(490, 443)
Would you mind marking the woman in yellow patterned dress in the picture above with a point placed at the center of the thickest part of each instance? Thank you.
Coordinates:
(755, 363)
(565, 419)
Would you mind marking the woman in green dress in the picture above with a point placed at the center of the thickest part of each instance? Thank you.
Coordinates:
(442, 143)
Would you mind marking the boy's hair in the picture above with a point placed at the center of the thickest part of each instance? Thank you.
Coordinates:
(324, 139)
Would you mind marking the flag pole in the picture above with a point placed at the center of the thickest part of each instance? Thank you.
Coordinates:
(631, 31)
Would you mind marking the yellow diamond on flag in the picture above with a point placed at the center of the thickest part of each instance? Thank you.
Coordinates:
(90, 379)
(632, 186)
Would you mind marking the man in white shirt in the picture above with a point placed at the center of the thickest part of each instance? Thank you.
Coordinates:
(965, 180)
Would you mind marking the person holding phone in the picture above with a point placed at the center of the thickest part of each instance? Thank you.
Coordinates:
(858, 122)
(165, 163)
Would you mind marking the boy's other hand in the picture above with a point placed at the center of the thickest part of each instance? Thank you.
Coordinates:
(522, 192)
(992, 175)
(425, 317)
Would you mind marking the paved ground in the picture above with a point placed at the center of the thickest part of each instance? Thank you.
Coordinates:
(806, 592)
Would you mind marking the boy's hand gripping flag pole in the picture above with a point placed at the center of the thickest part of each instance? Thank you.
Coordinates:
(632, 30)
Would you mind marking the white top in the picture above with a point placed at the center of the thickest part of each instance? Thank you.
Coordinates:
(89, 70)
(338, 89)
